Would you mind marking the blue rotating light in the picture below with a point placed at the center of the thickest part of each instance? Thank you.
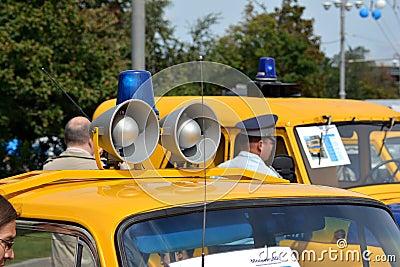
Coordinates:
(136, 84)
(266, 69)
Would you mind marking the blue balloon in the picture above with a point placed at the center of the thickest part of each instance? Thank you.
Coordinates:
(364, 12)
(376, 14)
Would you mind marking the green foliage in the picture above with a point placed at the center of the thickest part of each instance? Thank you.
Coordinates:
(71, 43)
(84, 45)
(283, 35)
(364, 78)
(57, 36)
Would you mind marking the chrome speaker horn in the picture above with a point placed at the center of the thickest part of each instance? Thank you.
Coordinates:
(129, 131)
(191, 133)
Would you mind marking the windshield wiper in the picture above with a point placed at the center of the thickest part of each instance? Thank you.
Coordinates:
(391, 124)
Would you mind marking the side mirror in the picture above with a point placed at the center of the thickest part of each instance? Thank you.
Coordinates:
(284, 165)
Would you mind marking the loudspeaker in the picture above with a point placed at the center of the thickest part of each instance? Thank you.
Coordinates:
(191, 133)
(129, 131)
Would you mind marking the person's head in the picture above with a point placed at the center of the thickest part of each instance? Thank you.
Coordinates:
(184, 254)
(339, 234)
(257, 135)
(8, 217)
(261, 146)
(77, 134)
(165, 259)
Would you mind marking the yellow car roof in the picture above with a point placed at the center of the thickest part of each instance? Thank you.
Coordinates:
(291, 111)
(86, 196)
(297, 111)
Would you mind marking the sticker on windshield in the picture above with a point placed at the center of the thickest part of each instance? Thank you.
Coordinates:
(268, 256)
(323, 146)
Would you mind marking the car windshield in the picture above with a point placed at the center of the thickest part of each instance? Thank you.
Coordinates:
(371, 154)
(301, 234)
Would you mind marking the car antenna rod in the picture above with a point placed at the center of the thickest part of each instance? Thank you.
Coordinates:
(65, 93)
(203, 242)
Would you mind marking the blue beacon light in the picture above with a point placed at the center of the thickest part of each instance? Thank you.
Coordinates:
(266, 69)
(136, 84)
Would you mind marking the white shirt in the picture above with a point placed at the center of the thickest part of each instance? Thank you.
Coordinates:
(249, 161)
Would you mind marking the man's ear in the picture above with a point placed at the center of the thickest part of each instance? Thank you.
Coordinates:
(259, 144)
(91, 145)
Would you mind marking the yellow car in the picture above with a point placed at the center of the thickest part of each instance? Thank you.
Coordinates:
(158, 198)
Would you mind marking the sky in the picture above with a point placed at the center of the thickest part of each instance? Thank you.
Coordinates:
(381, 37)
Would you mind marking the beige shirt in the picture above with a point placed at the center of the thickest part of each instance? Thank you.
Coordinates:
(64, 246)
(71, 159)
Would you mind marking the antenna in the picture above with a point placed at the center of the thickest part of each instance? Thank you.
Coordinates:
(205, 174)
(65, 93)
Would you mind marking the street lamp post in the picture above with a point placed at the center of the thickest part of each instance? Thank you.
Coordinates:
(342, 90)
(138, 34)
(343, 5)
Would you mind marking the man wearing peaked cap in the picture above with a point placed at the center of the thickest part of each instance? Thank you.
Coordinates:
(258, 143)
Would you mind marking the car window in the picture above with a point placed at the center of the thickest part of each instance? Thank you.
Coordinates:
(45, 244)
(303, 229)
(372, 152)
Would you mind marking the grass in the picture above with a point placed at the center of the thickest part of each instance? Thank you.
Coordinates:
(31, 245)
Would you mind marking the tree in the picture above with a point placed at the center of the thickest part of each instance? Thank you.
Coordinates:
(365, 79)
(67, 40)
(84, 45)
(282, 34)
(201, 43)
(57, 36)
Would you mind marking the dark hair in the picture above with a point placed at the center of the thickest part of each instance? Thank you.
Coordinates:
(7, 211)
(254, 139)
(77, 132)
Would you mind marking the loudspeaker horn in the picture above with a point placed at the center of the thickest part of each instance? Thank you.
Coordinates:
(191, 133)
(129, 131)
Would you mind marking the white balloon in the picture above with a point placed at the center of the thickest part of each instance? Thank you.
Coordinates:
(380, 4)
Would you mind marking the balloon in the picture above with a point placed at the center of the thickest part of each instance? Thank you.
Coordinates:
(364, 12)
(380, 4)
(376, 14)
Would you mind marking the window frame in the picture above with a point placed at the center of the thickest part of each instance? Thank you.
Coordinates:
(84, 238)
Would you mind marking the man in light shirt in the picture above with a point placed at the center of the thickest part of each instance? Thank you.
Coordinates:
(77, 156)
(258, 143)
(79, 152)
